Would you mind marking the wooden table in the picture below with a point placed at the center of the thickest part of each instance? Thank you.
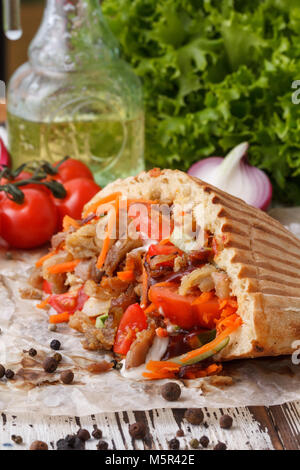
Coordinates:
(254, 428)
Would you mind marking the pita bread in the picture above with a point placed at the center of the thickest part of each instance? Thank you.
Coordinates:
(260, 256)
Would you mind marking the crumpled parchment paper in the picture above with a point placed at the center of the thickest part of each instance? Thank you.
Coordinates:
(254, 382)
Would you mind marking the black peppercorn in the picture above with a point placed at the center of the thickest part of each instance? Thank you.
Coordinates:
(9, 374)
(102, 445)
(174, 444)
(194, 415)
(67, 377)
(83, 435)
(2, 371)
(171, 391)
(57, 357)
(63, 445)
(220, 446)
(17, 439)
(32, 352)
(50, 365)
(138, 430)
(38, 445)
(204, 441)
(70, 439)
(194, 443)
(97, 433)
(226, 422)
(55, 344)
(70, 443)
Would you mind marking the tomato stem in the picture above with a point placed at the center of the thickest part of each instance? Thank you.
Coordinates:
(40, 172)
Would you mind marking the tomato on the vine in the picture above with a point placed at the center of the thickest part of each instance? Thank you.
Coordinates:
(31, 223)
(24, 175)
(79, 192)
(72, 169)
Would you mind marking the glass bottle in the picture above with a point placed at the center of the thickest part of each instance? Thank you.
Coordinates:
(76, 97)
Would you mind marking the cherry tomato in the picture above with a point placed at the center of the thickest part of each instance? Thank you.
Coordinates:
(179, 309)
(3, 243)
(47, 287)
(24, 175)
(79, 192)
(71, 169)
(133, 320)
(69, 302)
(30, 224)
(63, 302)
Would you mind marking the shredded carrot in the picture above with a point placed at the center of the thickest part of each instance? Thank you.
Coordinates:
(69, 222)
(105, 208)
(93, 207)
(106, 242)
(161, 370)
(164, 284)
(44, 303)
(126, 275)
(141, 201)
(159, 375)
(156, 366)
(165, 241)
(225, 322)
(161, 332)
(41, 261)
(213, 369)
(231, 302)
(59, 318)
(152, 307)
(67, 267)
(222, 303)
(204, 297)
(144, 299)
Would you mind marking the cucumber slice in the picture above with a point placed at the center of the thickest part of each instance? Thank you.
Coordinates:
(207, 337)
(201, 357)
(100, 321)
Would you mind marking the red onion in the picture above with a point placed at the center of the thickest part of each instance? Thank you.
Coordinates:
(4, 155)
(234, 175)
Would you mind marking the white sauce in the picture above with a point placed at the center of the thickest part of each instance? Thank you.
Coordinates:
(155, 353)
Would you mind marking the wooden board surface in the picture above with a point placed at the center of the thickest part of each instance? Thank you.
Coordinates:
(254, 428)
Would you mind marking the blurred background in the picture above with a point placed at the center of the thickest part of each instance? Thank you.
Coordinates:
(215, 73)
(14, 53)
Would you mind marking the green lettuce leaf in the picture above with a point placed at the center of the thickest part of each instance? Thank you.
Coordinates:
(216, 73)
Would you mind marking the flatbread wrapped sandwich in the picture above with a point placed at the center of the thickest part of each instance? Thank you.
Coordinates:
(174, 276)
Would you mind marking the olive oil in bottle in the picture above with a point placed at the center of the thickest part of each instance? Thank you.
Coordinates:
(75, 96)
(110, 148)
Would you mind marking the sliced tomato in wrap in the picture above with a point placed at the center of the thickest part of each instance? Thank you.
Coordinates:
(181, 310)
